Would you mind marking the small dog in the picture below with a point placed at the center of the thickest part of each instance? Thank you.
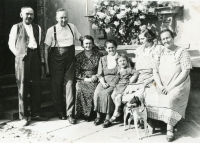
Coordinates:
(137, 110)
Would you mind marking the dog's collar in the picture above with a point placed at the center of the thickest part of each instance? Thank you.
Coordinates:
(144, 108)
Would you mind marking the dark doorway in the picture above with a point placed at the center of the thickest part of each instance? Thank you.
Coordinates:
(10, 15)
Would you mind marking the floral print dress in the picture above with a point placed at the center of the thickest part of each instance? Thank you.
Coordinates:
(84, 68)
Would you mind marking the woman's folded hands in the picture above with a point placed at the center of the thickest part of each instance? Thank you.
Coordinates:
(166, 90)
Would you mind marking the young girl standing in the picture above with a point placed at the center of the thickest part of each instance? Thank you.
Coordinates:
(126, 75)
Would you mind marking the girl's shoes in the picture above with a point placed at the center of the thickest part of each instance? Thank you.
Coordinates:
(170, 137)
(115, 117)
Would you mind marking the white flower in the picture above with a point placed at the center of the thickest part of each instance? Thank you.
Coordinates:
(112, 12)
(107, 20)
(116, 23)
(105, 3)
(122, 6)
(101, 15)
(148, 26)
(143, 28)
(100, 22)
(142, 16)
(137, 22)
(107, 30)
(121, 14)
(135, 10)
(121, 31)
(116, 7)
(128, 9)
(152, 10)
(94, 26)
(134, 3)
(140, 7)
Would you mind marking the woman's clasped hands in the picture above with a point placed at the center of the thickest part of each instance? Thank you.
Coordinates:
(166, 90)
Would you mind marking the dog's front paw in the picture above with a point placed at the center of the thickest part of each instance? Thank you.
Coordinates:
(140, 138)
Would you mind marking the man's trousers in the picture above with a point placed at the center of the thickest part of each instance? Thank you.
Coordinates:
(28, 77)
(61, 68)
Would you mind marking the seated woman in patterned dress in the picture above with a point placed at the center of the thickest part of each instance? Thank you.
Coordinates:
(107, 74)
(167, 99)
(86, 67)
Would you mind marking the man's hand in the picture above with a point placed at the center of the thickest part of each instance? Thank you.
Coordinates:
(24, 58)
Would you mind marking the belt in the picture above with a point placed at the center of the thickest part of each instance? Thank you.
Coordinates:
(32, 49)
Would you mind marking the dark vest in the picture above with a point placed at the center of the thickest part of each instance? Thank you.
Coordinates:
(21, 28)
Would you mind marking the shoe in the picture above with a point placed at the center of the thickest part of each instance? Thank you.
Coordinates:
(114, 119)
(170, 138)
(39, 118)
(71, 119)
(87, 118)
(62, 116)
(97, 121)
(24, 122)
(106, 124)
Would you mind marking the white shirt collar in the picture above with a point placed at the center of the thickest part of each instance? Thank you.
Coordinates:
(60, 27)
(116, 54)
(111, 62)
(26, 25)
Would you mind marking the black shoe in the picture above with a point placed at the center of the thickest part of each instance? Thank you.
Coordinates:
(97, 121)
(71, 119)
(62, 116)
(87, 118)
(106, 124)
(39, 118)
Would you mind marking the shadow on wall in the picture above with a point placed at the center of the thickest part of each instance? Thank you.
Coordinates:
(193, 108)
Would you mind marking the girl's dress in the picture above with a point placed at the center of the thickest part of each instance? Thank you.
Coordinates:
(124, 77)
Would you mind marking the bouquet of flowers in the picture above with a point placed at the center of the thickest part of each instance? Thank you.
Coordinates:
(123, 19)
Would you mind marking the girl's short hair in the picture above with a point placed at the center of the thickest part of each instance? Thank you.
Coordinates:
(110, 41)
(167, 30)
(122, 55)
(88, 37)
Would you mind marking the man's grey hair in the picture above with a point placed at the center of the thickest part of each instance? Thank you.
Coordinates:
(61, 9)
(25, 8)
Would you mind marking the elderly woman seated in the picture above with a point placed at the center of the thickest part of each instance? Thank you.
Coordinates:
(85, 71)
(168, 97)
(107, 74)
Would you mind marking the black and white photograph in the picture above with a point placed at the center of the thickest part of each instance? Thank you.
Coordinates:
(99, 71)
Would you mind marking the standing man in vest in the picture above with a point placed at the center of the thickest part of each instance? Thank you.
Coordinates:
(24, 41)
(59, 62)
